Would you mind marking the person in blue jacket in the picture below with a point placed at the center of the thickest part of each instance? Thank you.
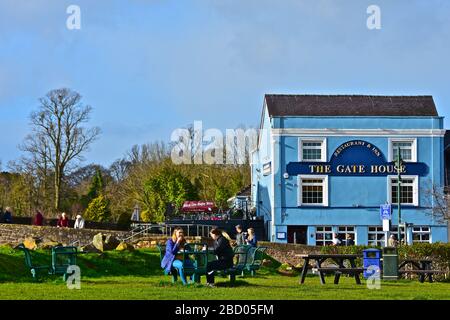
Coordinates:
(172, 257)
(251, 238)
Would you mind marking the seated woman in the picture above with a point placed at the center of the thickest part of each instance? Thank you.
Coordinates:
(172, 257)
(251, 239)
(224, 253)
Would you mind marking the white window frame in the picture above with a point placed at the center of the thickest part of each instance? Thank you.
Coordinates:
(325, 190)
(352, 233)
(323, 148)
(415, 189)
(323, 241)
(413, 148)
(378, 231)
(421, 232)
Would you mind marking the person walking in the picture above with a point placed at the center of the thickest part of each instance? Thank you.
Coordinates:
(79, 222)
(7, 216)
(240, 237)
(63, 221)
(38, 219)
(224, 253)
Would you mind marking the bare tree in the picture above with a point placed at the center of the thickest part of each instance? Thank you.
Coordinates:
(58, 136)
(438, 200)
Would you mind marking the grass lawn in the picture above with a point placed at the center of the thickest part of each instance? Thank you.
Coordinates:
(136, 275)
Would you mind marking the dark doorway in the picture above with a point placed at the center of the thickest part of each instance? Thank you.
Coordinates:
(297, 234)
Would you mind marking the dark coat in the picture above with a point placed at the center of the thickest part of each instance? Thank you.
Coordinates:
(240, 239)
(223, 250)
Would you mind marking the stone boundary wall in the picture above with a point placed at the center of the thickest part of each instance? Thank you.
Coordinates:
(288, 252)
(15, 234)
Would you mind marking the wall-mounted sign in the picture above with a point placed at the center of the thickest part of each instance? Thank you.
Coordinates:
(356, 158)
(281, 235)
(267, 168)
(386, 212)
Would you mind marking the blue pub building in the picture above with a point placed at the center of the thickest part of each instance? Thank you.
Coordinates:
(325, 164)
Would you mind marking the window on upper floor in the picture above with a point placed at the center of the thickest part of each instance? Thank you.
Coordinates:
(408, 149)
(313, 150)
(313, 190)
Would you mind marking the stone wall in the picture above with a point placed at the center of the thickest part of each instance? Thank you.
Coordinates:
(15, 234)
(288, 252)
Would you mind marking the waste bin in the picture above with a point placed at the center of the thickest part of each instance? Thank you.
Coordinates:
(390, 263)
(371, 257)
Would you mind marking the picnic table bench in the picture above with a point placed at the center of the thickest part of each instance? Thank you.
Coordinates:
(421, 267)
(61, 258)
(339, 259)
(246, 260)
(254, 258)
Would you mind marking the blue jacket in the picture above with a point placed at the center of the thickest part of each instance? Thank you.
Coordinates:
(171, 251)
(253, 242)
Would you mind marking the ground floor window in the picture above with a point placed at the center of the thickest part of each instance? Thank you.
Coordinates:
(421, 234)
(394, 231)
(343, 231)
(376, 236)
(324, 236)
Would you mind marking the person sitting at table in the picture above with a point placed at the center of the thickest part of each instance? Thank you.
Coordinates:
(349, 240)
(335, 240)
(251, 238)
(172, 258)
(392, 241)
(224, 253)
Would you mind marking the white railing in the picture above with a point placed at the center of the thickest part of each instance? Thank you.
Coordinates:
(144, 229)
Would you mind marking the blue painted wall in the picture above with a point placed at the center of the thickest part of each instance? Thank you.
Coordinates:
(353, 201)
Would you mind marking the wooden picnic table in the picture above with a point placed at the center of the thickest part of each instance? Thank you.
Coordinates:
(421, 267)
(339, 259)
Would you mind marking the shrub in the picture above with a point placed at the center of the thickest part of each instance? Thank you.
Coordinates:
(98, 210)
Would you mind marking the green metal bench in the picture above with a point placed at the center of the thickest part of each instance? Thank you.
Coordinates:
(34, 269)
(62, 258)
(240, 256)
(254, 259)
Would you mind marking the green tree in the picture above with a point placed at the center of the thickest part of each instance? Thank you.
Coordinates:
(167, 187)
(95, 188)
(98, 210)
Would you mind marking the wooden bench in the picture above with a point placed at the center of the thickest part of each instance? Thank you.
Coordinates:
(339, 271)
(422, 274)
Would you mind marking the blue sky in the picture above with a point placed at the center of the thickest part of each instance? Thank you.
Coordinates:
(148, 67)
